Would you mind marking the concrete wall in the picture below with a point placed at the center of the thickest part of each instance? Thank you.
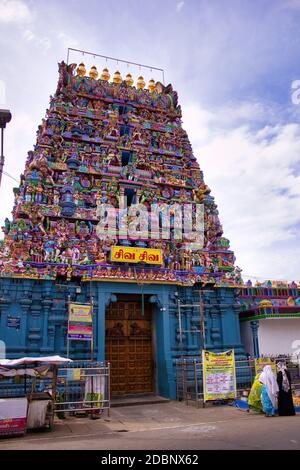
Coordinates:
(279, 336)
(247, 339)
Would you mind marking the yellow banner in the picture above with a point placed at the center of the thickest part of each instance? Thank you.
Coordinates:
(124, 254)
(261, 362)
(219, 381)
(80, 313)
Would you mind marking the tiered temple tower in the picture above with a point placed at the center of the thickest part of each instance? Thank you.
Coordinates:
(112, 144)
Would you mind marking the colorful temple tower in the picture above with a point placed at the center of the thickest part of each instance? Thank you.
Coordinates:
(104, 149)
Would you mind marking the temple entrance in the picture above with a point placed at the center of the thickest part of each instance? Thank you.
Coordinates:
(128, 345)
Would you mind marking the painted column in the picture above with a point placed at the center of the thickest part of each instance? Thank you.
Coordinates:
(188, 323)
(25, 303)
(95, 324)
(4, 305)
(195, 331)
(47, 303)
(165, 365)
(104, 299)
(254, 325)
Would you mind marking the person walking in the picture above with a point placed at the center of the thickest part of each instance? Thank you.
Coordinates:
(285, 398)
(270, 389)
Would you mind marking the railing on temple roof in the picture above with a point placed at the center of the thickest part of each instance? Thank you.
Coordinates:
(85, 53)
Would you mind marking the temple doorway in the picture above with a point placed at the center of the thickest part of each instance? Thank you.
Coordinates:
(128, 345)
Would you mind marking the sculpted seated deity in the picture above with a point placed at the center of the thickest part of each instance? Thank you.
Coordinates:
(7, 268)
(183, 195)
(112, 131)
(37, 218)
(199, 193)
(41, 166)
(98, 105)
(113, 157)
(173, 180)
(84, 257)
(101, 258)
(137, 135)
(128, 172)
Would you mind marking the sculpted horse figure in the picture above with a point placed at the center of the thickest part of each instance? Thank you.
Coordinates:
(66, 76)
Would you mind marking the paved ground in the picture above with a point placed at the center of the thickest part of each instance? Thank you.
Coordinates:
(170, 425)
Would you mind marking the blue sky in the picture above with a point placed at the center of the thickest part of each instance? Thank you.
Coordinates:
(232, 62)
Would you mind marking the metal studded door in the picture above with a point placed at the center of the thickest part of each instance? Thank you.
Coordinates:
(128, 347)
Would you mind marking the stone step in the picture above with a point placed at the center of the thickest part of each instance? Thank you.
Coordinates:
(133, 400)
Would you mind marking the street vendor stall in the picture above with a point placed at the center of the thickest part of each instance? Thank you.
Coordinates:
(27, 393)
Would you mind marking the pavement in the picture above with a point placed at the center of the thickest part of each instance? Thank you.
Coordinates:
(161, 426)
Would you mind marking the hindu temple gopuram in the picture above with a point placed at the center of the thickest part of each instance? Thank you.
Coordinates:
(104, 141)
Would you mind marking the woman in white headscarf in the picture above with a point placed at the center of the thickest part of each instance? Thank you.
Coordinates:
(285, 397)
(270, 391)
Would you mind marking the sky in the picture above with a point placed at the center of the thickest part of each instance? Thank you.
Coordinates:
(234, 65)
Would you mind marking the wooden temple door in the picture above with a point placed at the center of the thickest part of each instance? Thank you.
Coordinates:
(128, 346)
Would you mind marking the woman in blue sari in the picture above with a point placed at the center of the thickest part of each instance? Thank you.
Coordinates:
(270, 389)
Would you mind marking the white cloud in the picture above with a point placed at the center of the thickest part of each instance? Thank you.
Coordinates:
(67, 41)
(28, 35)
(43, 42)
(14, 11)
(179, 6)
(18, 133)
(251, 175)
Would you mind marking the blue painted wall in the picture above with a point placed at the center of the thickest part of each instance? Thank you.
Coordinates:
(41, 307)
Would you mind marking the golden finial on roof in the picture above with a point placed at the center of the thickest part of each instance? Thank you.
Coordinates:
(94, 72)
(151, 85)
(140, 84)
(265, 303)
(81, 71)
(129, 79)
(105, 75)
(117, 77)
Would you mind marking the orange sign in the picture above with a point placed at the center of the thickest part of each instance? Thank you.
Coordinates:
(124, 254)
